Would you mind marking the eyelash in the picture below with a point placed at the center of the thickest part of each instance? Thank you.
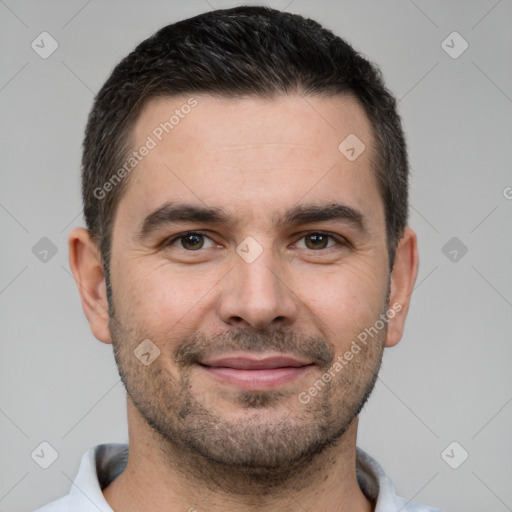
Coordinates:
(340, 241)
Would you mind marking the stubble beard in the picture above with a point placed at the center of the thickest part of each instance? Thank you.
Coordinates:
(274, 438)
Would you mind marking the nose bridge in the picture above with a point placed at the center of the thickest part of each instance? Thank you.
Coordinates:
(259, 276)
(256, 292)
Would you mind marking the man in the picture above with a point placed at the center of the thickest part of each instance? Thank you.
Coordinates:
(247, 255)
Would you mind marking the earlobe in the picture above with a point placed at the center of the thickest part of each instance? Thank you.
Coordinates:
(403, 277)
(85, 263)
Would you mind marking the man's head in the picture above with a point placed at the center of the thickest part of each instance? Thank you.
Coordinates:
(245, 191)
(234, 53)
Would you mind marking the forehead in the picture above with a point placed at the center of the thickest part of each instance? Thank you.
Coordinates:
(253, 124)
(252, 154)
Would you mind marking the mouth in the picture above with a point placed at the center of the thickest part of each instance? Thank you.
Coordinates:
(256, 372)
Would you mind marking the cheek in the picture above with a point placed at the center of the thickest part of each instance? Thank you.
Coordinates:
(344, 301)
(161, 296)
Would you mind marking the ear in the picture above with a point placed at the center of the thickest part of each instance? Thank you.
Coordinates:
(403, 277)
(85, 263)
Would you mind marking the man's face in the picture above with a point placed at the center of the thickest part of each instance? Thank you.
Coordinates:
(270, 279)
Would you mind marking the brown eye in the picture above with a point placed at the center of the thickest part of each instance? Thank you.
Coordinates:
(191, 241)
(317, 241)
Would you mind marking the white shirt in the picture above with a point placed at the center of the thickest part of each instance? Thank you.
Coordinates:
(103, 463)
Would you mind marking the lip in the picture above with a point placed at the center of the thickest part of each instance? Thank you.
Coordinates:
(257, 371)
(245, 361)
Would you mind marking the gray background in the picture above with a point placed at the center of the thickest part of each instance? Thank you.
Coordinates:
(448, 380)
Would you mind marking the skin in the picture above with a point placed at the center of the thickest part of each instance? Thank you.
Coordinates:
(212, 445)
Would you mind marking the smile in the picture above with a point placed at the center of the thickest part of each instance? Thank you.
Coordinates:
(256, 374)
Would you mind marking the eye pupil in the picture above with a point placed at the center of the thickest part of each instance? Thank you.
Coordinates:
(197, 241)
(318, 240)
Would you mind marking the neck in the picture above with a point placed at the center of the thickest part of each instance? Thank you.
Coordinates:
(161, 477)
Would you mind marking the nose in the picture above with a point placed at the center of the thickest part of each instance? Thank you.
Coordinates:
(256, 295)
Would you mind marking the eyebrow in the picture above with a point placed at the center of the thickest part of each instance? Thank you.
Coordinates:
(171, 212)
